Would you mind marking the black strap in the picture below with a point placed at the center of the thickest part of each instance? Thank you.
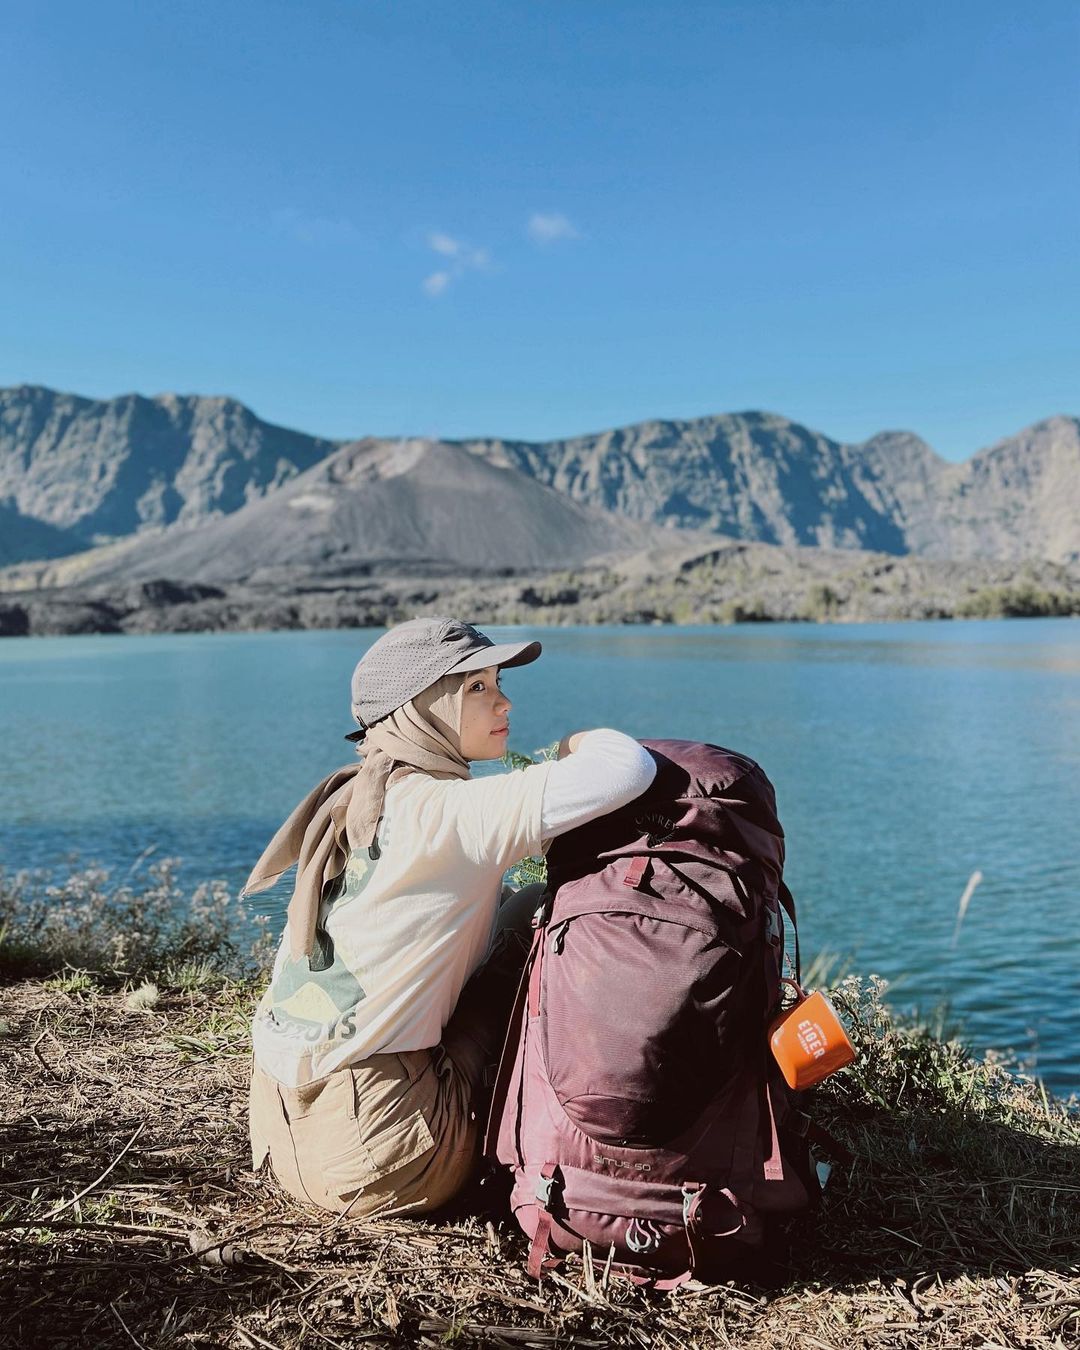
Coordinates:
(829, 1144)
(813, 1133)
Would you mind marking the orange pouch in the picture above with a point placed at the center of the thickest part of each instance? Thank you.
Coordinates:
(809, 1042)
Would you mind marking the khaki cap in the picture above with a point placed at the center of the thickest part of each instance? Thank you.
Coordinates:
(413, 655)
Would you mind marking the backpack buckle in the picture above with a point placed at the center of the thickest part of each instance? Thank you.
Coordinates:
(773, 934)
(543, 910)
(545, 1184)
(691, 1199)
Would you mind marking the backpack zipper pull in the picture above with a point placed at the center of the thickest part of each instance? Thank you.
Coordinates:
(558, 936)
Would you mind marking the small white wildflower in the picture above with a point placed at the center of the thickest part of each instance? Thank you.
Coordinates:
(144, 997)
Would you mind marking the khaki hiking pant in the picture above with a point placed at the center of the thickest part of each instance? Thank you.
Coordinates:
(398, 1132)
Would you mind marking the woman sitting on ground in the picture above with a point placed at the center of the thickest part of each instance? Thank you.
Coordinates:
(376, 1041)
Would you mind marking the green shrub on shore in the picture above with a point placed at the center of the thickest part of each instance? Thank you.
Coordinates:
(529, 871)
(148, 925)
(916, 1062)
(1024, 601)
(822, 603)
(748, 611)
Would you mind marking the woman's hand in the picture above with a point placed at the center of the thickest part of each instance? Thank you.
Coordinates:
(570, 743)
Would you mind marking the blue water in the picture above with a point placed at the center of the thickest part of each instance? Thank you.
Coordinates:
(904, 756)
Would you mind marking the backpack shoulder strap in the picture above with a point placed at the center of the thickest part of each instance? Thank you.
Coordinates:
(507, 1060)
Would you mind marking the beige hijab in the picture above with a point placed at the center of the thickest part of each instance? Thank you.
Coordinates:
(343, 812)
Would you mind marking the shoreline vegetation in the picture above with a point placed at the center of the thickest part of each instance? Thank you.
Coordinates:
(734, 582)
(129, 1213)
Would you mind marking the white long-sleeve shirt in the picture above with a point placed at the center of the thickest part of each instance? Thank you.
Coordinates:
(395, 946)
(606, 771)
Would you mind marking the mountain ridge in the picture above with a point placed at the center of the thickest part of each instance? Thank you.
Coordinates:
(762, 477)
(106, 468)
(77, 472)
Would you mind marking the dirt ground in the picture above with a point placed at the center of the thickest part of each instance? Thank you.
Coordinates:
(130, 1216)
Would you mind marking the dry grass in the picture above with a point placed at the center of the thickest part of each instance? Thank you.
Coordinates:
(129, 1215)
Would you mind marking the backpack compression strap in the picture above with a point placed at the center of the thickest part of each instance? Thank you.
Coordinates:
(541, 1258)
(787, 900)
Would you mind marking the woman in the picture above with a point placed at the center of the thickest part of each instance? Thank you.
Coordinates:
(373, 1047)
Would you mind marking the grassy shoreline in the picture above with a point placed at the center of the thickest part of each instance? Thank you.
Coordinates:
(129, 1213)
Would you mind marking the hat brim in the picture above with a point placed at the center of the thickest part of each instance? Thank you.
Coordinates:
(501, 654)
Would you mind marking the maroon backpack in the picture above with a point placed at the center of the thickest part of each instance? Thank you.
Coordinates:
(637, 1102)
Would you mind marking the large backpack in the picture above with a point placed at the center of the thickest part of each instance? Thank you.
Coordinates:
(637, 1102)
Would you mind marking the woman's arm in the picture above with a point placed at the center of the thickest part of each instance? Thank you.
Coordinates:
(596, 772)
(500, 818)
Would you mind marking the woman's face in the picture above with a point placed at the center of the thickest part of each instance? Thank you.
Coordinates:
(485, 725)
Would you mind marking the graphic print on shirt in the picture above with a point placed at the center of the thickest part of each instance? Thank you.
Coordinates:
(314, 996)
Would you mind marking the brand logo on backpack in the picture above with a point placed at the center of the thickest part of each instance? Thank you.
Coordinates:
(642, 1236)
(657, 827)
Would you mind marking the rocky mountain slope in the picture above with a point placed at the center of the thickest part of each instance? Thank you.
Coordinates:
(96, 469)
(727, 582)
(150, 475)
(422, 505)
(760, 476)
(24, 537)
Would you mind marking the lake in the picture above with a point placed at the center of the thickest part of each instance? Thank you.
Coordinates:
(905, 756)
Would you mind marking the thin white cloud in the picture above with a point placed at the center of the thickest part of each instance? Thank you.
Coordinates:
(461, 257)
(311, 229)
(436, 283)
(546, 227)
(443, 243)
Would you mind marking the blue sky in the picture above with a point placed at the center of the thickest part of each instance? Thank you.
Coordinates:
(539, 219)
